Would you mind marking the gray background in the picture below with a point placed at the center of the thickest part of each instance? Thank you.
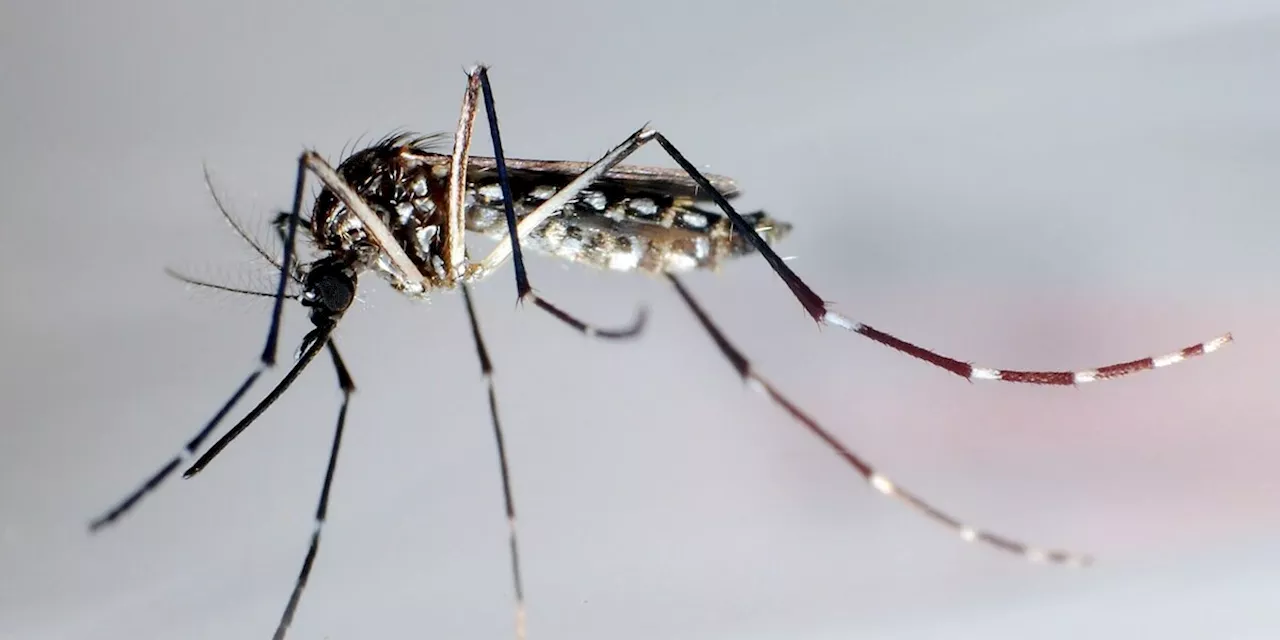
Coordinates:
(1036, 184)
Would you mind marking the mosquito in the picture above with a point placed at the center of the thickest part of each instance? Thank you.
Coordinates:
(401, 210)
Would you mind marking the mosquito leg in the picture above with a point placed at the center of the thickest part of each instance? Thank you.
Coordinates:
(347, 386)
(286, 263)
(486, 369)
(523, 289)
(818, 309)
(874, 478)
(266, 361)
(500, 161)
(454, 230)
(182, 456)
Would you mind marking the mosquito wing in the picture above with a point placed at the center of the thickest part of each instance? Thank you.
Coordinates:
(674, 182)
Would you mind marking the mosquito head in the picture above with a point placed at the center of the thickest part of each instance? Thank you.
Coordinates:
(329, 288)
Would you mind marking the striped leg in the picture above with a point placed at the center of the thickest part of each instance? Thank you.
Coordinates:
(322, 507)
(819, 310)
(486, 370)
(873, 477)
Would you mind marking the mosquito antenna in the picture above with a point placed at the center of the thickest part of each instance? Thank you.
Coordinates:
(221, 287)
(235, 224)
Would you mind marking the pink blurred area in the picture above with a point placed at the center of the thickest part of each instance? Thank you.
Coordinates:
(1153, 464)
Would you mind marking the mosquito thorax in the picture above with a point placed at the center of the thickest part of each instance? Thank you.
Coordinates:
(404, 194)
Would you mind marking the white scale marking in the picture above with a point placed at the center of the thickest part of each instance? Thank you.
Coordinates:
(594, 199)
(404, 212)
(624, 261)
(680, 262)
(1216, 343)
(838, 320)
(882, 484)
(694, 219)
(701, 248)
(643, 206)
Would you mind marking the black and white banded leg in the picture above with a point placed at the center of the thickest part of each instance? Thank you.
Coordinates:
(266, 360)
(819, 310)
(322, 507)
(873, 477)
(486, 370)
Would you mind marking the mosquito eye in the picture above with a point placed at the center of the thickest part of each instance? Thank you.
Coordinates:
(329, 290)
(333, 293)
